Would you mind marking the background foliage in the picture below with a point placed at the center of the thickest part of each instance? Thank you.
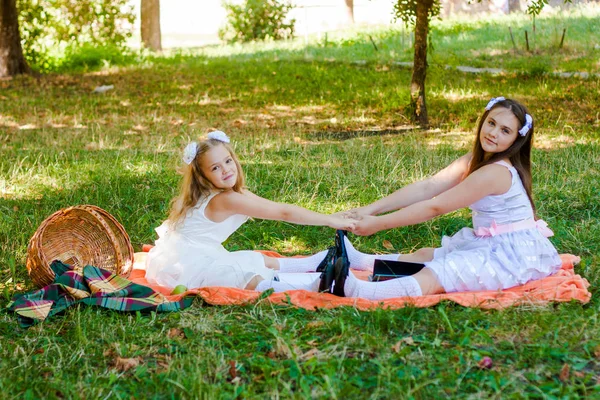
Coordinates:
(73, 26)
(257, 20)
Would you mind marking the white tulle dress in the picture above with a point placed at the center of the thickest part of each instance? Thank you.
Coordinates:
(192, 254)
(506, 248)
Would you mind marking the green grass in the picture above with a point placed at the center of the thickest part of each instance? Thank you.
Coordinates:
(320, 134)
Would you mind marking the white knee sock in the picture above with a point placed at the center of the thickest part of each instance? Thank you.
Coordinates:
(301, 264)
(362, 261)
(405, 286)
(279, 286)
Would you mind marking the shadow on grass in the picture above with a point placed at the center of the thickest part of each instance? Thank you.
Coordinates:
(360, 133)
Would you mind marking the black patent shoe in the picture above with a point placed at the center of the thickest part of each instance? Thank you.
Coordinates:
(340, 245)
(327, 275)
(341, 271)
(327, 260)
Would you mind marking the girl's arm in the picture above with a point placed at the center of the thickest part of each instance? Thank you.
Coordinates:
(419, 191)
(489, 180)
(247, 203)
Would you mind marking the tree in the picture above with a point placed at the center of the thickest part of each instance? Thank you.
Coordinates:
(350, 10)
(419, 14)
(417, 82)
(150, 24)
(12, 61)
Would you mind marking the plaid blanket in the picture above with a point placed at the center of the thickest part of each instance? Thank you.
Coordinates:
(92, 286)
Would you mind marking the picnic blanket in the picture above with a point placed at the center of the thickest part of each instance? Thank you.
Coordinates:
(97, 287)
(563, 286)
(92, 286)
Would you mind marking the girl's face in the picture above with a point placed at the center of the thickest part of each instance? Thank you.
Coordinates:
(499, 130)
(219, 168)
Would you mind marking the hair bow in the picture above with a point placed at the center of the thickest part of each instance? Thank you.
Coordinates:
(528, 124)
(189, 153)
(219, 135)
(493, 101)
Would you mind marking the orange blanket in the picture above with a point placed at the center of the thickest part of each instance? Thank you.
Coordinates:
(563, 286)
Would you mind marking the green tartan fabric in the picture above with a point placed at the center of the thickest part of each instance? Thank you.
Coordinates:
(92, 286)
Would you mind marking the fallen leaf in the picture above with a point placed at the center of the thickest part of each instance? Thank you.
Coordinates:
(564, 373)
(108, 352)
(163, 361)
(232, 370)
(176, 333)
(407, 341)
(388, 245)
(125, 364)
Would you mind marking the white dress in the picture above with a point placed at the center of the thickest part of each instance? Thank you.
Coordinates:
(192, 254)
(468, 261)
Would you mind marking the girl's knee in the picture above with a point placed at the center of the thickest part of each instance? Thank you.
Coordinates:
(271, 262)
(426, 253)
(429, 282)
(254, 282)
(421, 255)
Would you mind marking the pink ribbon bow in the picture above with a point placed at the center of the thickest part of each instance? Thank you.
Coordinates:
(485, 231)
(542, 226)
(495, 229)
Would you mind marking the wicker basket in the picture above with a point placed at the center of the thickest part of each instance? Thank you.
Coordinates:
(79, 236)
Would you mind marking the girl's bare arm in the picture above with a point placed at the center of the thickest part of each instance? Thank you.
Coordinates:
(420, 191)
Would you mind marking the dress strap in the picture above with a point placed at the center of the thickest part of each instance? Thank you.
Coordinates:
(504, 163)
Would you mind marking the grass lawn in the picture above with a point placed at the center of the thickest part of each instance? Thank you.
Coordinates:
(325, 135)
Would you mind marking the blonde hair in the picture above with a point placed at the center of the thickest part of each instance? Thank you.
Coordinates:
(195, 187)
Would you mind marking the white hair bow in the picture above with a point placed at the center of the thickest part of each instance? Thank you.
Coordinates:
(528, 124)
(189, 153)
(493, 101)
(219, 135)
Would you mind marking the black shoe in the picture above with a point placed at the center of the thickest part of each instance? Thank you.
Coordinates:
(341, 264)
(342, 269)
(328, 274)
(329, 267)
(327, 260)
(340, 245)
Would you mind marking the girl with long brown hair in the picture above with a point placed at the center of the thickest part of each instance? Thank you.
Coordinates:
(506, 247)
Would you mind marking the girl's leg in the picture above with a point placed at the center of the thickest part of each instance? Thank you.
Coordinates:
(422, 255)
(287, 283)
(254, 282)
(363, 261)
(422, 283)
(295, 264)
(358, 260)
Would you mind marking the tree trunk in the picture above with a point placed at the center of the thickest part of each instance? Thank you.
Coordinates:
(417, 84)
(150, 18)
(350, 10)
(12, 61)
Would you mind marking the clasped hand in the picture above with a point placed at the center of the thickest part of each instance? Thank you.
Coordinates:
(363, 224)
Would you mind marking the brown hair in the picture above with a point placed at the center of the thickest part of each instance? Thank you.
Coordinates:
(519, 153)
(195, 186)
